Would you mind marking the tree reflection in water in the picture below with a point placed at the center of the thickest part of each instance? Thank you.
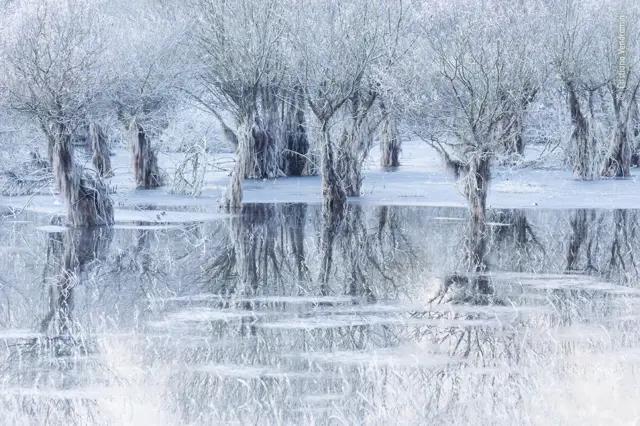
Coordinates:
(279, 315)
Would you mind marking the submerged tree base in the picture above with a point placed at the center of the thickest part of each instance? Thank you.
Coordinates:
(145, 160)
(88, 202)
(86, 196)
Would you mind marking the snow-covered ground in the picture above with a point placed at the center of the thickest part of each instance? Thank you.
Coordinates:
(421, 180)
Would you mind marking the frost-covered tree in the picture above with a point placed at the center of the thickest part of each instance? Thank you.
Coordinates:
(241, 73)
(335, 44)
(146, 52)
(461, 86)
(52, 71)
(399, 39)
(579, 43)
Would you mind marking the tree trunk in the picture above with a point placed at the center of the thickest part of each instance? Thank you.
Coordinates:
(356, 141)
(333, 193)
(269, 120)
(252, 140)
(514, 142)
(476, 189)
(618, 160)
(145, 161)
(294, 157)
(101, 159)
(390, 142)
(514, 145)
(233, 198)
(477, 183)
(51, 143)
(348, 162)
(256, 151)
(582, 142)
(519, 141)
(88, 203)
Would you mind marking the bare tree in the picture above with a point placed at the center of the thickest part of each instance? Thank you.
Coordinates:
(463, 106)
(53, 73)
(239, 72)
(399, 41)
(148, 54)
(578, 45)
(336, 44)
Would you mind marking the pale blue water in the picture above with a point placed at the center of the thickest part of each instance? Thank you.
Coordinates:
(269, 318)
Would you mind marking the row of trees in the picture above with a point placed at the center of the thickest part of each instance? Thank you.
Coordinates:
(293, 84)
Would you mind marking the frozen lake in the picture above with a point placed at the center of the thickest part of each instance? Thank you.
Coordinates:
(267, 318)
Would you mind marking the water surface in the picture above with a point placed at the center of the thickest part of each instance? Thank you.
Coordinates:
(275, 316)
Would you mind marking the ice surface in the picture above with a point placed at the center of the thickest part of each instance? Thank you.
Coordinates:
(420, 181)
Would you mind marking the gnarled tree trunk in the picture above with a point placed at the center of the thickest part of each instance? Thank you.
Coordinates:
(582, 141)
(100, 158)
(477, 183)
(86, 197)
(251, 135)
(476, 190)
(259, 151)
(355, 143)
(618, 160)
(233, 197)
(296, 141)
(334, 196)
(145, 160)
(512, 122)
(270, 120)
(353, 149)
(514, 143)
(51, 143)
(390, 141)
